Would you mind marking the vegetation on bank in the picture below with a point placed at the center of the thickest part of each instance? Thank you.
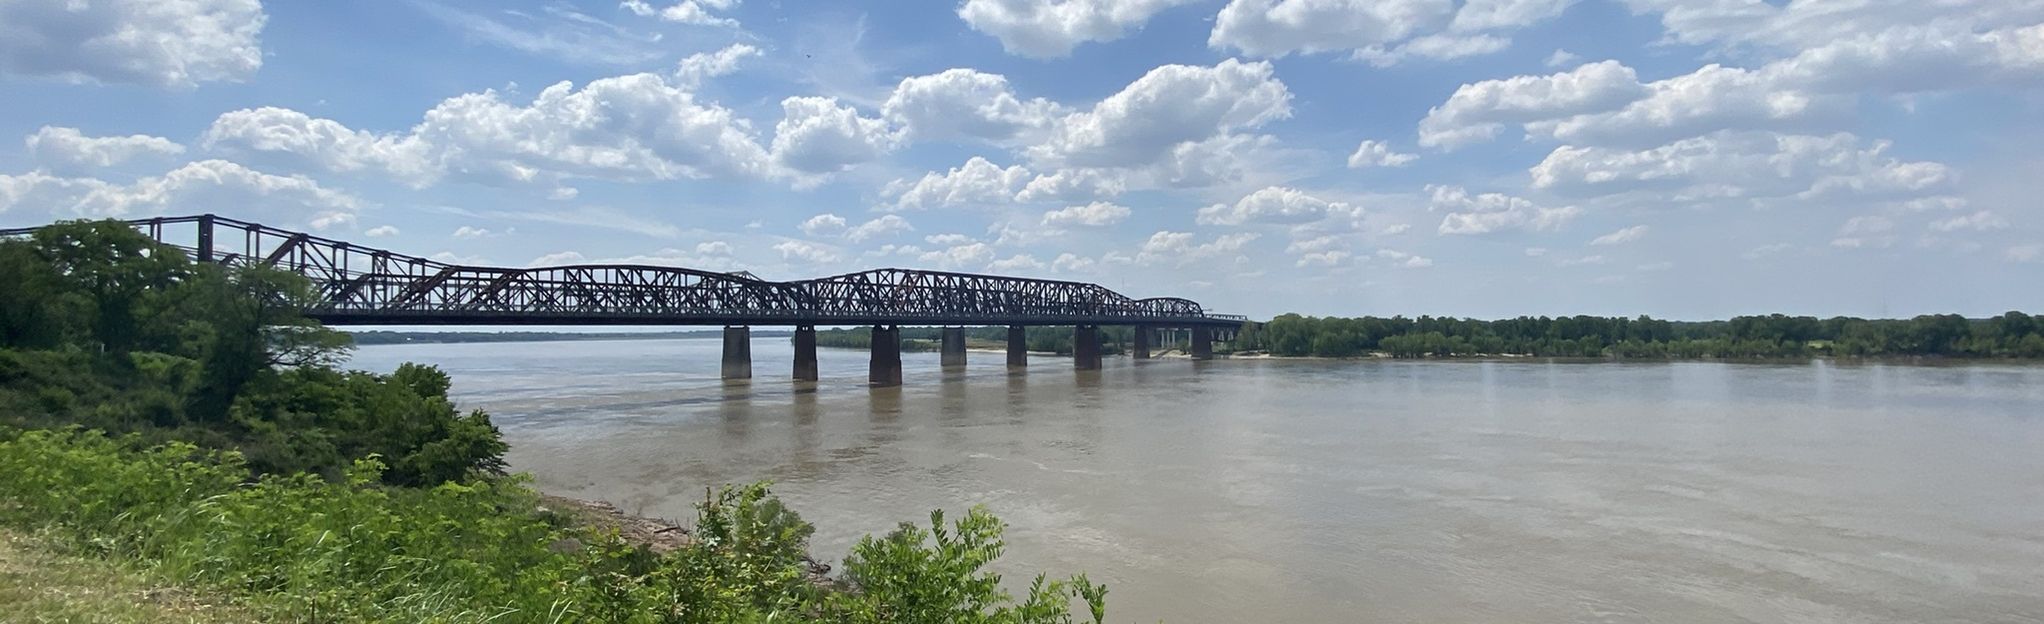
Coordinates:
(2012, 335)
(41, 581)
(303, 547)
(186, 420)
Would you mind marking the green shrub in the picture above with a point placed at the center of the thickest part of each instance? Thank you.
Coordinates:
(353, 549)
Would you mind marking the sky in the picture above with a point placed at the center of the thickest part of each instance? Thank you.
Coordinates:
(1686, 159)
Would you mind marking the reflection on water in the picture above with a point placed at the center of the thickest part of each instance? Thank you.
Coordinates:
(1294, 491)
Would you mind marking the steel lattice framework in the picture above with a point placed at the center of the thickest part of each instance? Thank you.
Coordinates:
(367, 286)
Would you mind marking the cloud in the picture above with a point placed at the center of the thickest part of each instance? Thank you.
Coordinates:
(1763, 251)
(471, 232)
(807, 252)
(1979, 221)
(1181, 249)
(1865, 231)
(1095, 214)
(1016, 263)
(324, 142)
(67, 149)
(380, 231)
(1382, 32)
(145, 42)
(1071, 263)
(1378, 154)
(1323, 258)
(693, 12)
(555, 32)
(556, 259)
(1743, 165)
(1477, 111)
(1562, 58)
(878, 227)
(633, 127)
(696, 68)
(1169, 106)
(973, 254)
(1275, 204)
(1052, 28)
(965, 103)
(1622, 236)
(977, 182)
(1818, 83)
(816, 135)
(1404, 260)
(1281, 27)
(1072, 185)
(1582, 261)
(825, 224)
(197, 187)
(1492, 212)
(2033, 252)
(1435, 48)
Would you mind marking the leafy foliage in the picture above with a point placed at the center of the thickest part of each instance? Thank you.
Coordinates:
(306, 548)
(106, 328)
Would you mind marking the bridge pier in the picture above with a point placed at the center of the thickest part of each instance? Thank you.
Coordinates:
(1142, 346)
(885, 367)
(1086, 347)
(1202, 343)
(737, 352)
(805, 353)
(1018, 346)
(953, 355)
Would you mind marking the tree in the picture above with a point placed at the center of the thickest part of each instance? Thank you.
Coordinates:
(249, 319)
(124, 275)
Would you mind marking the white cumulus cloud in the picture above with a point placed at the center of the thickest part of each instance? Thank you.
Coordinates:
(158, 43)
(69, 149)
(1094, 214)
(1051, 28)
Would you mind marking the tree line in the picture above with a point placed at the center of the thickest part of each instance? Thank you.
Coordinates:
(2011, 335)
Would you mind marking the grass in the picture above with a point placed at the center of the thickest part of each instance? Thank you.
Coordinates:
(41, 583)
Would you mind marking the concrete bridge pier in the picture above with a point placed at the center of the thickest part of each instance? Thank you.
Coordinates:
(805, 353)
(1202, 343)
(737, 352)
(1018, 346)
(954, 347)
(885, 367)
(1142, 346)
(1086, 347)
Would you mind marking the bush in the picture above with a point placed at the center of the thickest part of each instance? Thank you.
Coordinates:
(305, 547)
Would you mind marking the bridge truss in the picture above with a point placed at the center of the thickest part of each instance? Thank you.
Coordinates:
(359, 285)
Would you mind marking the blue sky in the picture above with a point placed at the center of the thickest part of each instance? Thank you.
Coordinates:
(1680, 158)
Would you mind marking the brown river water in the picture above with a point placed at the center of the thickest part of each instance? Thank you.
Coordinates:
(1313, 491)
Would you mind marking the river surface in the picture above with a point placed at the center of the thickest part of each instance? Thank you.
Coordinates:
(1309, 491)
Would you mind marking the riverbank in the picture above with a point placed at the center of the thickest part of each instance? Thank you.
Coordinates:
(40, 582)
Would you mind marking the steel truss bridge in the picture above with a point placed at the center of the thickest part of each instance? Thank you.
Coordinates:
(357, 285)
